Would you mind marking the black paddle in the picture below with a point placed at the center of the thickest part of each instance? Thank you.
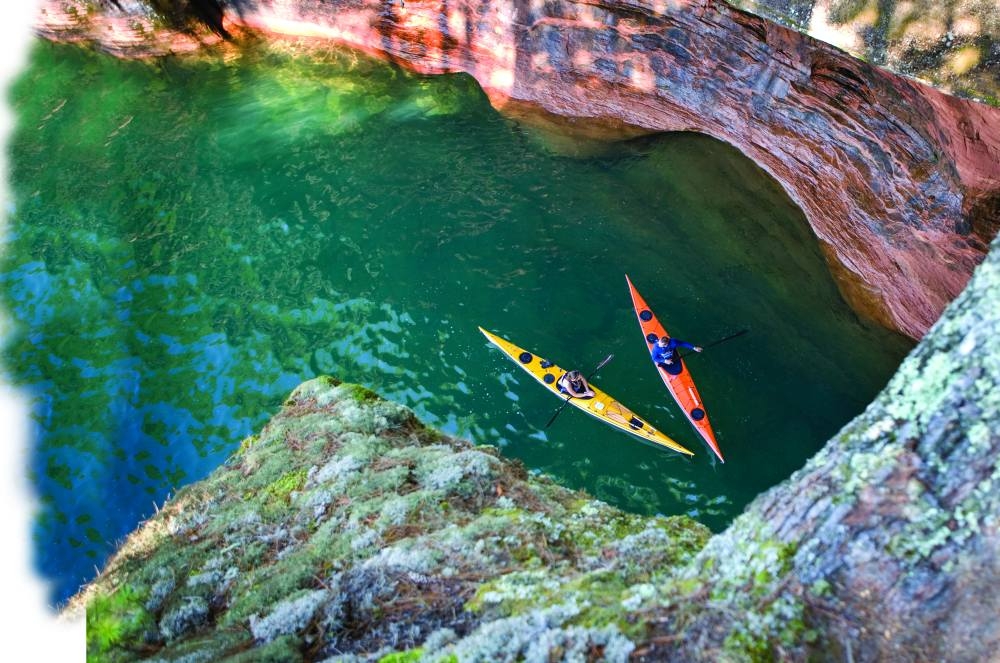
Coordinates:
(721, 340)
(570, 397)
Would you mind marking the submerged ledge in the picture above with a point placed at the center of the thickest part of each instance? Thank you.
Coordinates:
(900, 182)
(346, 529)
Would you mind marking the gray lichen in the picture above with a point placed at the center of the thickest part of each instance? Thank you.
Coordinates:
(347, 529)
(888, 538)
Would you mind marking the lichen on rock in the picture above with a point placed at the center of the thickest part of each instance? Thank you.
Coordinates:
(885, 545)
(347, 528)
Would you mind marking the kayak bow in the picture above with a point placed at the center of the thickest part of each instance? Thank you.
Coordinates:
(679, 383)
(601, 406)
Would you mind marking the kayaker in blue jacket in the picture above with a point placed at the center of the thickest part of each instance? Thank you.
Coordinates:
(664, 348)
(574, 384)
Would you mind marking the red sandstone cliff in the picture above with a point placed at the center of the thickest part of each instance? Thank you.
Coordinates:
(900, 182)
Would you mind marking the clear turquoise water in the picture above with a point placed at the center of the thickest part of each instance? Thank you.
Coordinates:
(187, 242)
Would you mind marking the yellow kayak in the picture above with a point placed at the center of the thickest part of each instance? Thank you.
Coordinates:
(600, 406)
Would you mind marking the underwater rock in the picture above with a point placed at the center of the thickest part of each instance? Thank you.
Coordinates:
(900, 182)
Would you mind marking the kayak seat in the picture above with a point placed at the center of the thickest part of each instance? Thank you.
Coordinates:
(675, 368)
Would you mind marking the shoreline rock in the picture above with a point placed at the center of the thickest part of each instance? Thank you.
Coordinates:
(345, 527)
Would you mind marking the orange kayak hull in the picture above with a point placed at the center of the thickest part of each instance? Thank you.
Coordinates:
(680, 385)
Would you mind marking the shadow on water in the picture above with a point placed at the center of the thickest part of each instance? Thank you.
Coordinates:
(188, 243)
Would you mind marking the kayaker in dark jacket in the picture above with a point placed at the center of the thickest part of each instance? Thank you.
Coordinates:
(664, 348)
(574, 384)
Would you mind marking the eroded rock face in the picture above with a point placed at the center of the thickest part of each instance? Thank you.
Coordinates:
(900, 182)
(953, 44)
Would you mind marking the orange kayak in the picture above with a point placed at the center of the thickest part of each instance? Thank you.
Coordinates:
(678, 380)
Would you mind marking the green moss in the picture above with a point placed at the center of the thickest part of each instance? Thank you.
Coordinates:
(329, 381)
(513, 514)
(429, 436)
(284, 485)
(258, 591)
(820, 588)
(246, 444)
(744, 646)
(113, 620)
(780, 627)
(626, 524)
(362, 394)
(598, 593)
(411, 656)
(286, 649)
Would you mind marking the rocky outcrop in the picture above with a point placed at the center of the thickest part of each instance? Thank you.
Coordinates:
(900, 182)
(347, 528)
(885, 547)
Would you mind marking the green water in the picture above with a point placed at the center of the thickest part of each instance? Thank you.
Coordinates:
(189, 241)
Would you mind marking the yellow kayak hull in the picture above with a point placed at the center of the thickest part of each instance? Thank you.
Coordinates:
(601, 406)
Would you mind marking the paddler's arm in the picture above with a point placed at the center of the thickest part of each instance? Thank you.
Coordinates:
(676, 343)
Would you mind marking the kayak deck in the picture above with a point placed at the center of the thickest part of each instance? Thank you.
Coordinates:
(678, 380)
(601, 406)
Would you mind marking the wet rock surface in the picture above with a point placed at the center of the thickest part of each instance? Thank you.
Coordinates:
(899, 181)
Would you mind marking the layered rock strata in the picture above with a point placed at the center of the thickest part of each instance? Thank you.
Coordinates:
(955, 45)
(900, 182)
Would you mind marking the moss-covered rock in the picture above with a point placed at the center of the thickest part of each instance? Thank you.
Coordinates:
(346, 528)
(885, 546)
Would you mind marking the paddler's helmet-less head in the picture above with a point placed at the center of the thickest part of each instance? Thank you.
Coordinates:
(663, 340)
(574, 376)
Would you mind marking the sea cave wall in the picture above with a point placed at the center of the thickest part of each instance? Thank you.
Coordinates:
(955, 45)
(346, 530)
(899, 181)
